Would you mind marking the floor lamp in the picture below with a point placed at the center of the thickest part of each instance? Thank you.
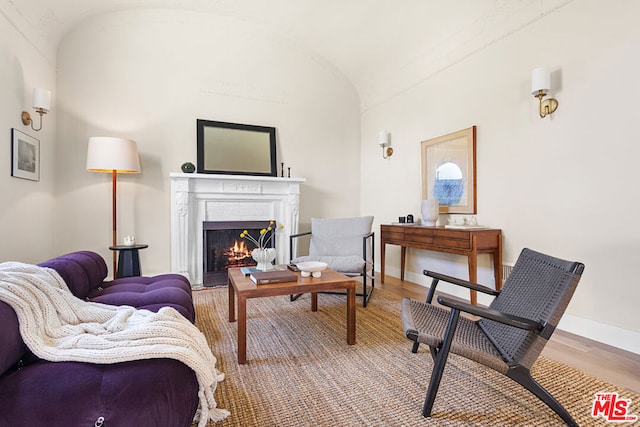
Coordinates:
(114, 155)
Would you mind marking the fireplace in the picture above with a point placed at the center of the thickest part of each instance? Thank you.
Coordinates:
(197, 198)
(223, 248)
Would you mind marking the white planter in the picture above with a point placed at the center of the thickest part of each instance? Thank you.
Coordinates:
(264, 258)
(430, 212)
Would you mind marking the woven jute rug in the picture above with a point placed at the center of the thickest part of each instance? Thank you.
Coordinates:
(301, 372)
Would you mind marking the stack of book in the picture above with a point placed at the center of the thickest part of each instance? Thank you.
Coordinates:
(274, 276)
(248, 270)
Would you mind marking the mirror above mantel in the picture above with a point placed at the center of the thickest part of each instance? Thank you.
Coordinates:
(235, 149)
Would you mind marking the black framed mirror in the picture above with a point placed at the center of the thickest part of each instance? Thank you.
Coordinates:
(236, 149)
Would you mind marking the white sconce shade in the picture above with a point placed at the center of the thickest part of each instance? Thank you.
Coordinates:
(540, 85)
(383, 138)
(42, 105)
(540, 80)
(107, 154)
(383, 141)
(41, 99)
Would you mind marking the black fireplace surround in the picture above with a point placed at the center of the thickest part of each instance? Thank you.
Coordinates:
(223, 248)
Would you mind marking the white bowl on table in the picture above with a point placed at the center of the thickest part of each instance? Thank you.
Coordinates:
(311, 268)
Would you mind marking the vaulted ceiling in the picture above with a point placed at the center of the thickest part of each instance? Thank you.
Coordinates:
(367, 40)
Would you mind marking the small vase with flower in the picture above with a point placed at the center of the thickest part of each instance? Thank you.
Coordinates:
(263, 254)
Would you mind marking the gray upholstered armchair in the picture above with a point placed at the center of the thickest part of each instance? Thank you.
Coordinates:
(345, 244)
(511, 332)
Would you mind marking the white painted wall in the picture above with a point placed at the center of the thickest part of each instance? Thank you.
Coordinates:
(148, 75)
(566, 185)
(26, 211)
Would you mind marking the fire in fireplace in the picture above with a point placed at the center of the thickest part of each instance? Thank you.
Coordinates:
(224, 248)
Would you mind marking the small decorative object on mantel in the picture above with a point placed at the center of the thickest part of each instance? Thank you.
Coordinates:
(188, 167)
(430, 212)
(282, 171)
(263, 254)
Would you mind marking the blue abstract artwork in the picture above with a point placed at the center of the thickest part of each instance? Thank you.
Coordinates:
(448, 191)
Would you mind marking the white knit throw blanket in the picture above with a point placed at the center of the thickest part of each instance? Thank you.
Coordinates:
(57, 326)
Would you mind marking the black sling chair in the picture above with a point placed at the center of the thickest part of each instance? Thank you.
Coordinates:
(511, 332)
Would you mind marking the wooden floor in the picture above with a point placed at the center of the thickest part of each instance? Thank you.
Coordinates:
(608, 363)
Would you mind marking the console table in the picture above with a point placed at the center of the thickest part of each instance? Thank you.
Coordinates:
(468, 242)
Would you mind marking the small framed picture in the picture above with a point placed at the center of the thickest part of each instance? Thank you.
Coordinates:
(25, 156)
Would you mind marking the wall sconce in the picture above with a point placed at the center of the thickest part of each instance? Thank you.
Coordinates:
(41, 103)
(540, 85)
(383, 140)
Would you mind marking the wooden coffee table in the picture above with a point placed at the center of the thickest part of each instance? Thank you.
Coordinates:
(243, 288)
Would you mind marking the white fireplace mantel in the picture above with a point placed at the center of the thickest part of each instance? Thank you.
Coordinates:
(196, 198)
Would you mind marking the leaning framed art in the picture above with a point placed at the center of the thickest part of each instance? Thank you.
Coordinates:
(449, 171)
(25, 156)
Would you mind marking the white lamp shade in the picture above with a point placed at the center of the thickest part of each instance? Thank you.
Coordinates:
(383, 138)
(41, 99)
(540, 80)
(107, 154)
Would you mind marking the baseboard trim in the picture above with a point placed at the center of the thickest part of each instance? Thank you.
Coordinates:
(624, 339)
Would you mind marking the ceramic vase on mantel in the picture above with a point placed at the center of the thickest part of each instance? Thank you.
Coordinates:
(264, 257)
(430, 212)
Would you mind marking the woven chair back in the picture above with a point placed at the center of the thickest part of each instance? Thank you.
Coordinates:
(538, 288)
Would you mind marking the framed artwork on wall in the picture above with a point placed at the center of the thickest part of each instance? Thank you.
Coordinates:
(25, 156)
(449, 171)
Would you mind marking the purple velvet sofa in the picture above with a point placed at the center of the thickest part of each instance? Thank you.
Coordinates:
(153, 392)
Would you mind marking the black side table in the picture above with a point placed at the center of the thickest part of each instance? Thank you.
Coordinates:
(128, 260)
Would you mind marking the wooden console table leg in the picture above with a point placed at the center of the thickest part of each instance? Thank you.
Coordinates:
(473, 269)
(473, 278)
(403, 258)
(382, 255)
(497, 264)
(314, 301)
